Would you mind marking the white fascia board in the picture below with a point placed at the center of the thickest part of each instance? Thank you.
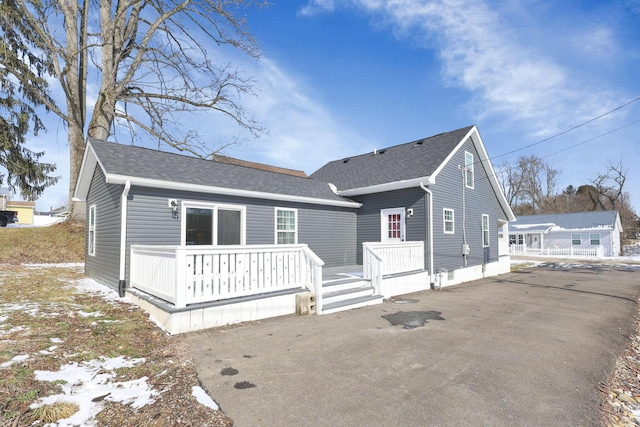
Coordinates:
(493, 179)
(181, 186)
(87, 168)
(389, 186)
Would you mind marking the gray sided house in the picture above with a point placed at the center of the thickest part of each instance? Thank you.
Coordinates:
(201, 243)
(441, 190)
(591, 234)
(141, 196)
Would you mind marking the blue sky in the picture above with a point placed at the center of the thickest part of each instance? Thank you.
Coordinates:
(338, 78)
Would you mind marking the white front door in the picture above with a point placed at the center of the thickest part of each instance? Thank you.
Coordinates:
(392, 225)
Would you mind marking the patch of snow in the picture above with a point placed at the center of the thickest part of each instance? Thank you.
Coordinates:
(87, 285)
(56, 340)
(31, 309)
(49, 350)
(89, 383)
(60, 265)
(94, 314)
(527, 263)
(13, 330)
(45, 220)
(16, 359)
(203, 398)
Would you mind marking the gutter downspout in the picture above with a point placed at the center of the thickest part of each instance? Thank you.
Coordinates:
(122, 283)
(430, 228)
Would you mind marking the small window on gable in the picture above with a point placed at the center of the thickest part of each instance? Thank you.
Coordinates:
(468, 169)
(91, 249)
(594, 239)
(449, 221)
(576, 239)
(485, 230)
(286, 226)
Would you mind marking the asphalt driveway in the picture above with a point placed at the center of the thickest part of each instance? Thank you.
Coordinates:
(523, 349)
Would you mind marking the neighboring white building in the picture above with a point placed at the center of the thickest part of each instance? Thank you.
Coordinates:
(582, 233)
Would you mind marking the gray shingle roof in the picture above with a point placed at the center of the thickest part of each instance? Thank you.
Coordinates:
(569, 221)
(139, 162)
(398, 163)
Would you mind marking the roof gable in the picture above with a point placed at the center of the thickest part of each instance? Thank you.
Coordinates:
(158, 169)
(404, 162)
(407, 165)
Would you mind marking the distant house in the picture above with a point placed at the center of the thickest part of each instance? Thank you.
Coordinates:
(203, 243)
(60, 211)
(24, 209)
(568, 234)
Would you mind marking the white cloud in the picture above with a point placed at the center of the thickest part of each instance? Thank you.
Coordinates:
(596, 43)
(481, 52)
(315, 7)
(303, 134)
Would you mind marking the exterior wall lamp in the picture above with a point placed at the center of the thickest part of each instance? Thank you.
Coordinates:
(173, 204)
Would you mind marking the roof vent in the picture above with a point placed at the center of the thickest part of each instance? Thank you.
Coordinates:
(419, 143)
(346, 160)
(382, 151)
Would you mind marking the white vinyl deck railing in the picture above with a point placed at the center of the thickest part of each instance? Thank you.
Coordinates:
(379, 259)
(592, 252)
(184, 275)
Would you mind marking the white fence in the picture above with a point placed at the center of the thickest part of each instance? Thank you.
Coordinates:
(184, 275)
(398, 257)
(379, 259)
(571, 252)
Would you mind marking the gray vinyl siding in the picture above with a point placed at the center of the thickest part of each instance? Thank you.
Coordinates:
(447, 193)
(368, 228)
(329, 231)
(104, 266)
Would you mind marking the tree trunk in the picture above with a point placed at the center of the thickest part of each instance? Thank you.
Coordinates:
(77, 212)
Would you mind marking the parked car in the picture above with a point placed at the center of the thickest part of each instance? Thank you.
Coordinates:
(8, 217)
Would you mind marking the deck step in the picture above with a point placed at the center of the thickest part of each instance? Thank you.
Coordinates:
(350, 304)
(340, 285)
(346, 294)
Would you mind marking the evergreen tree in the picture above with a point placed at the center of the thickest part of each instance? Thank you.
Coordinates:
(20, 167)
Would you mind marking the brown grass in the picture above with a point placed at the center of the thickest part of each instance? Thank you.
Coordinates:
(58, 243)
(48, 308)
(54, 412)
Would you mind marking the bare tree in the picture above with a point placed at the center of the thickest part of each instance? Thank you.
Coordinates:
(530, 185)
(152, 60)
(609, 187)
(608, 193)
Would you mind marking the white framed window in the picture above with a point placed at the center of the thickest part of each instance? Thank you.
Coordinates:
(485, 230)
(213, 224)
(448, 221)
(468, 169)
(576, 239)
(594, 239)
(286, 229)
(91, 249)
(516, 239)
